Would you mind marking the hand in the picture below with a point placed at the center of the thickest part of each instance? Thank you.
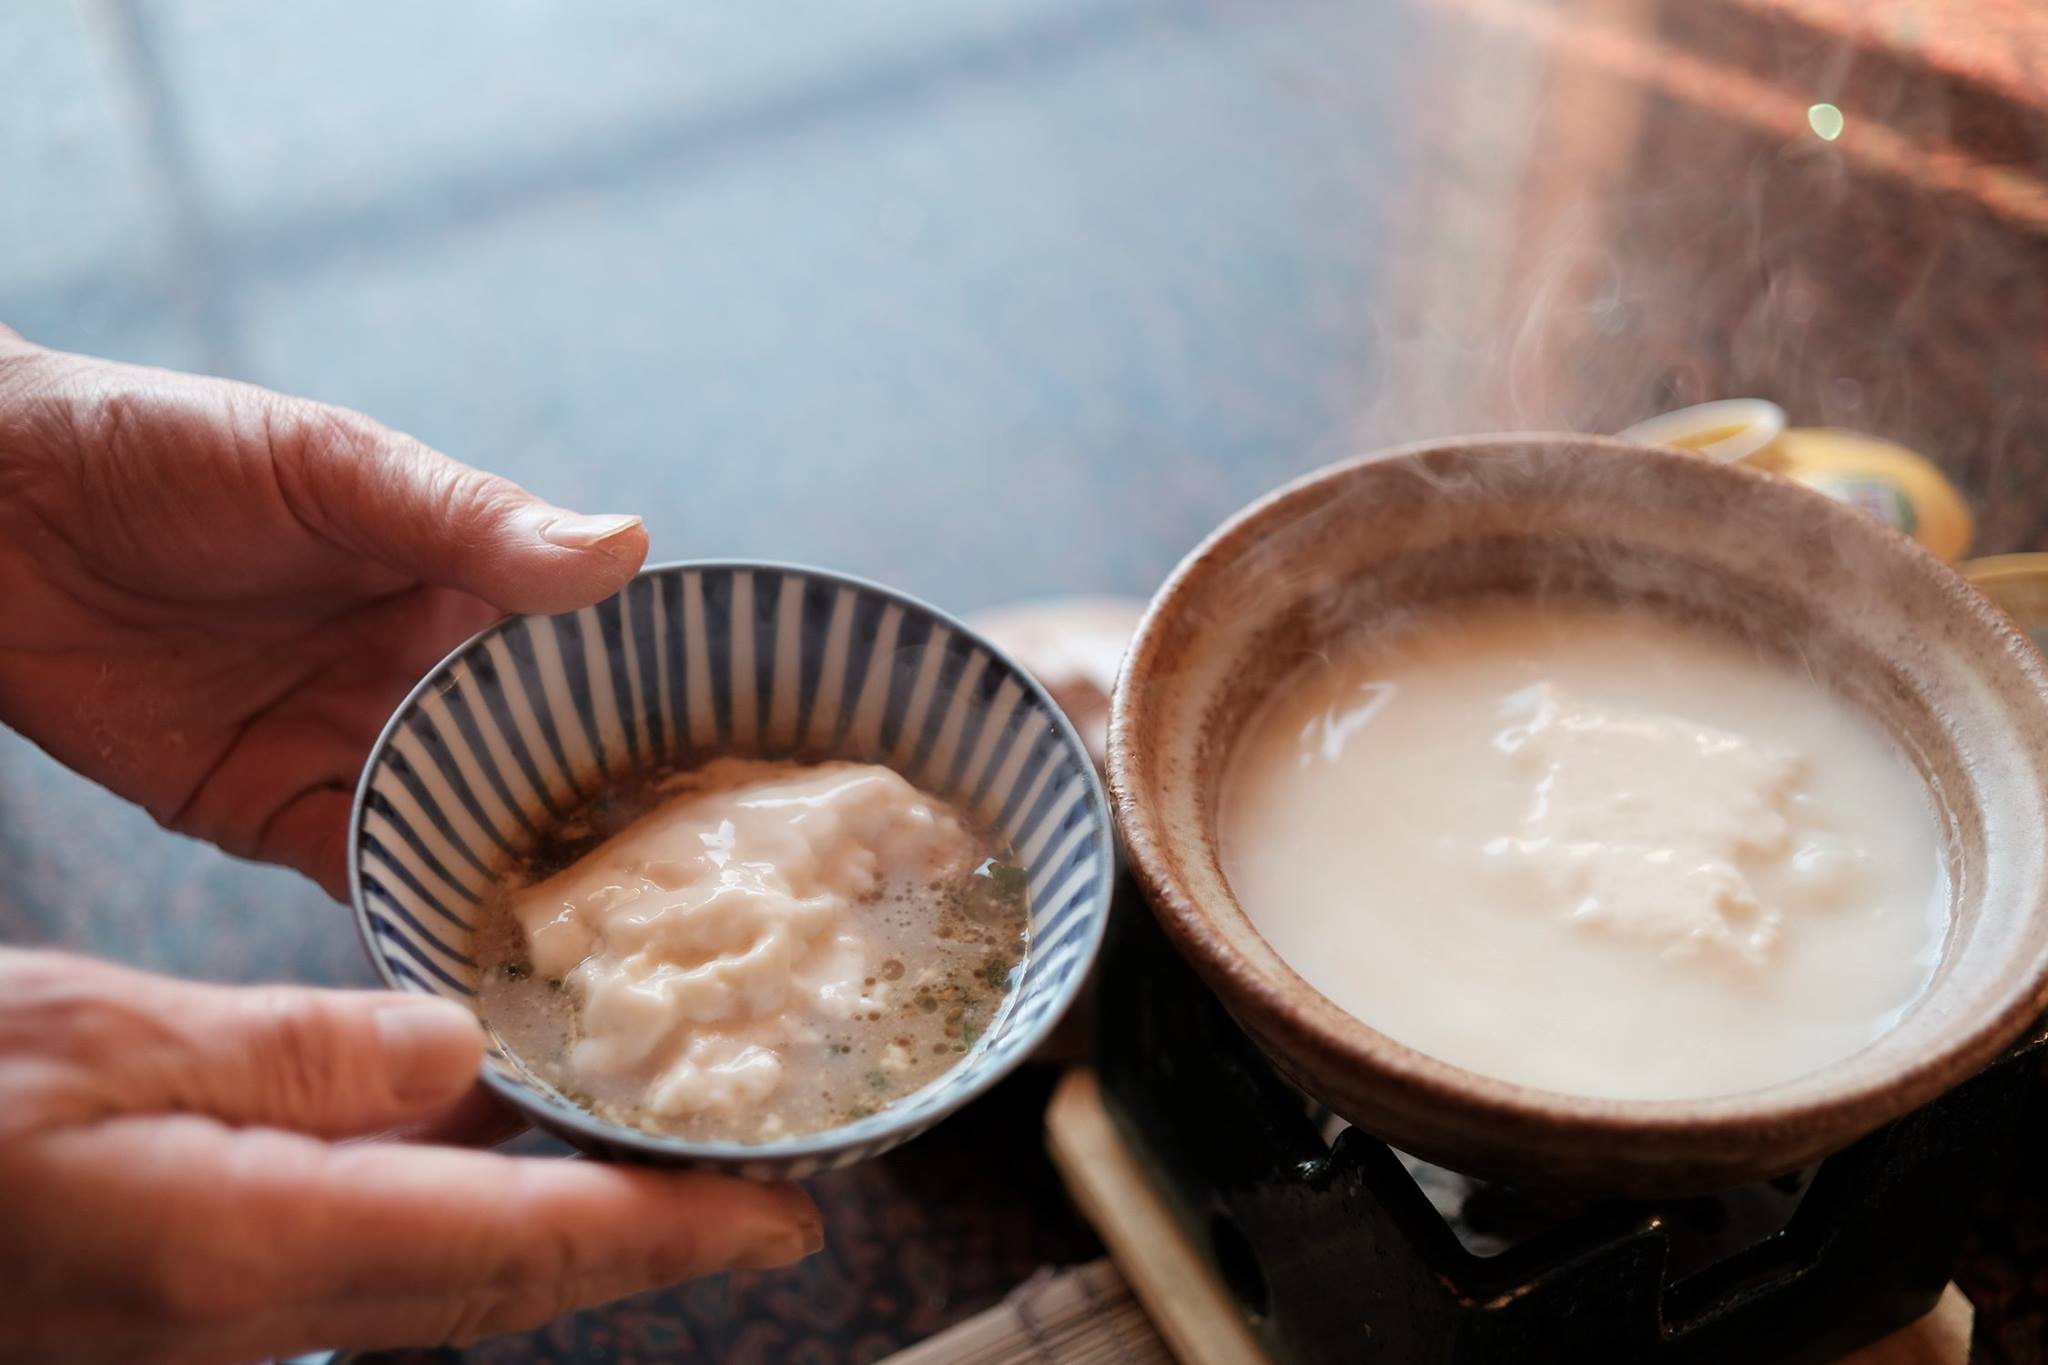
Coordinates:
(216, 595)
(178, 1187)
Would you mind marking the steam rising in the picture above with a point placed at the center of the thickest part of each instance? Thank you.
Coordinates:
(1624, 209)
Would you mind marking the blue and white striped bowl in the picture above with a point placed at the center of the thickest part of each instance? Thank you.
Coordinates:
(692, 661)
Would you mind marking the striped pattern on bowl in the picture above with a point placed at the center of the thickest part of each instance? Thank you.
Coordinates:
(689, 662)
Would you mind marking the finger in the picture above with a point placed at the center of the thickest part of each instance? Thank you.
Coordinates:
(310, 832)
(388, 1244)
(13, 348)
(478, 1119)
(332, 1063)
(377, 653)
(491, 1232)
(383, 494)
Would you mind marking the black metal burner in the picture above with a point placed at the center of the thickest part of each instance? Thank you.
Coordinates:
(1336, 1252)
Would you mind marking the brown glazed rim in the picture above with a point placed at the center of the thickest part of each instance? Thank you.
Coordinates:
(1284, 1009)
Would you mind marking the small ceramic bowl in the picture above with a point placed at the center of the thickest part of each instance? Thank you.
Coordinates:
(689, 662)
(1727, 431)
(1714, 547)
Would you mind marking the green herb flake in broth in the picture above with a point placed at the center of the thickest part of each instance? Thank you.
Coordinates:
(1008, 879)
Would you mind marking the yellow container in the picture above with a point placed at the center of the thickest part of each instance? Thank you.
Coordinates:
(1904, 490)
(2018, 584)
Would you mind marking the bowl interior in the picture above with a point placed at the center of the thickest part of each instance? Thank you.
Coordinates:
(1725, 431)
(1713, 547)
(690, 662)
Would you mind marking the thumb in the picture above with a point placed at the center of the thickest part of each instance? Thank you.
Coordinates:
(386, 496)
(328, 1063)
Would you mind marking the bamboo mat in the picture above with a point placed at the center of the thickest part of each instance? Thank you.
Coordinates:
(1083, 1316)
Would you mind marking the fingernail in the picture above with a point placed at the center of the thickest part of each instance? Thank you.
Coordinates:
(429, 1046)
(573, 532)
(784, 1249)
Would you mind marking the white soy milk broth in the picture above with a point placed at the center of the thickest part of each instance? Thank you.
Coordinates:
(1583, 849)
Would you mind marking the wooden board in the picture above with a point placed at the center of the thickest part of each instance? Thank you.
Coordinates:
(1188, 1305)
(1196, 1315)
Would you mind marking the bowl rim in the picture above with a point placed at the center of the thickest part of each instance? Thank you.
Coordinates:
(1759, 423)
(1285, 1005)
(558, 1115)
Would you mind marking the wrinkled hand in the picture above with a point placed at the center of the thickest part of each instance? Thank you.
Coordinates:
(215, 595)
(178, 1190)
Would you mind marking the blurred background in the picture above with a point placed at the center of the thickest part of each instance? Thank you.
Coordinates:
(994, 301)
(984, 301)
